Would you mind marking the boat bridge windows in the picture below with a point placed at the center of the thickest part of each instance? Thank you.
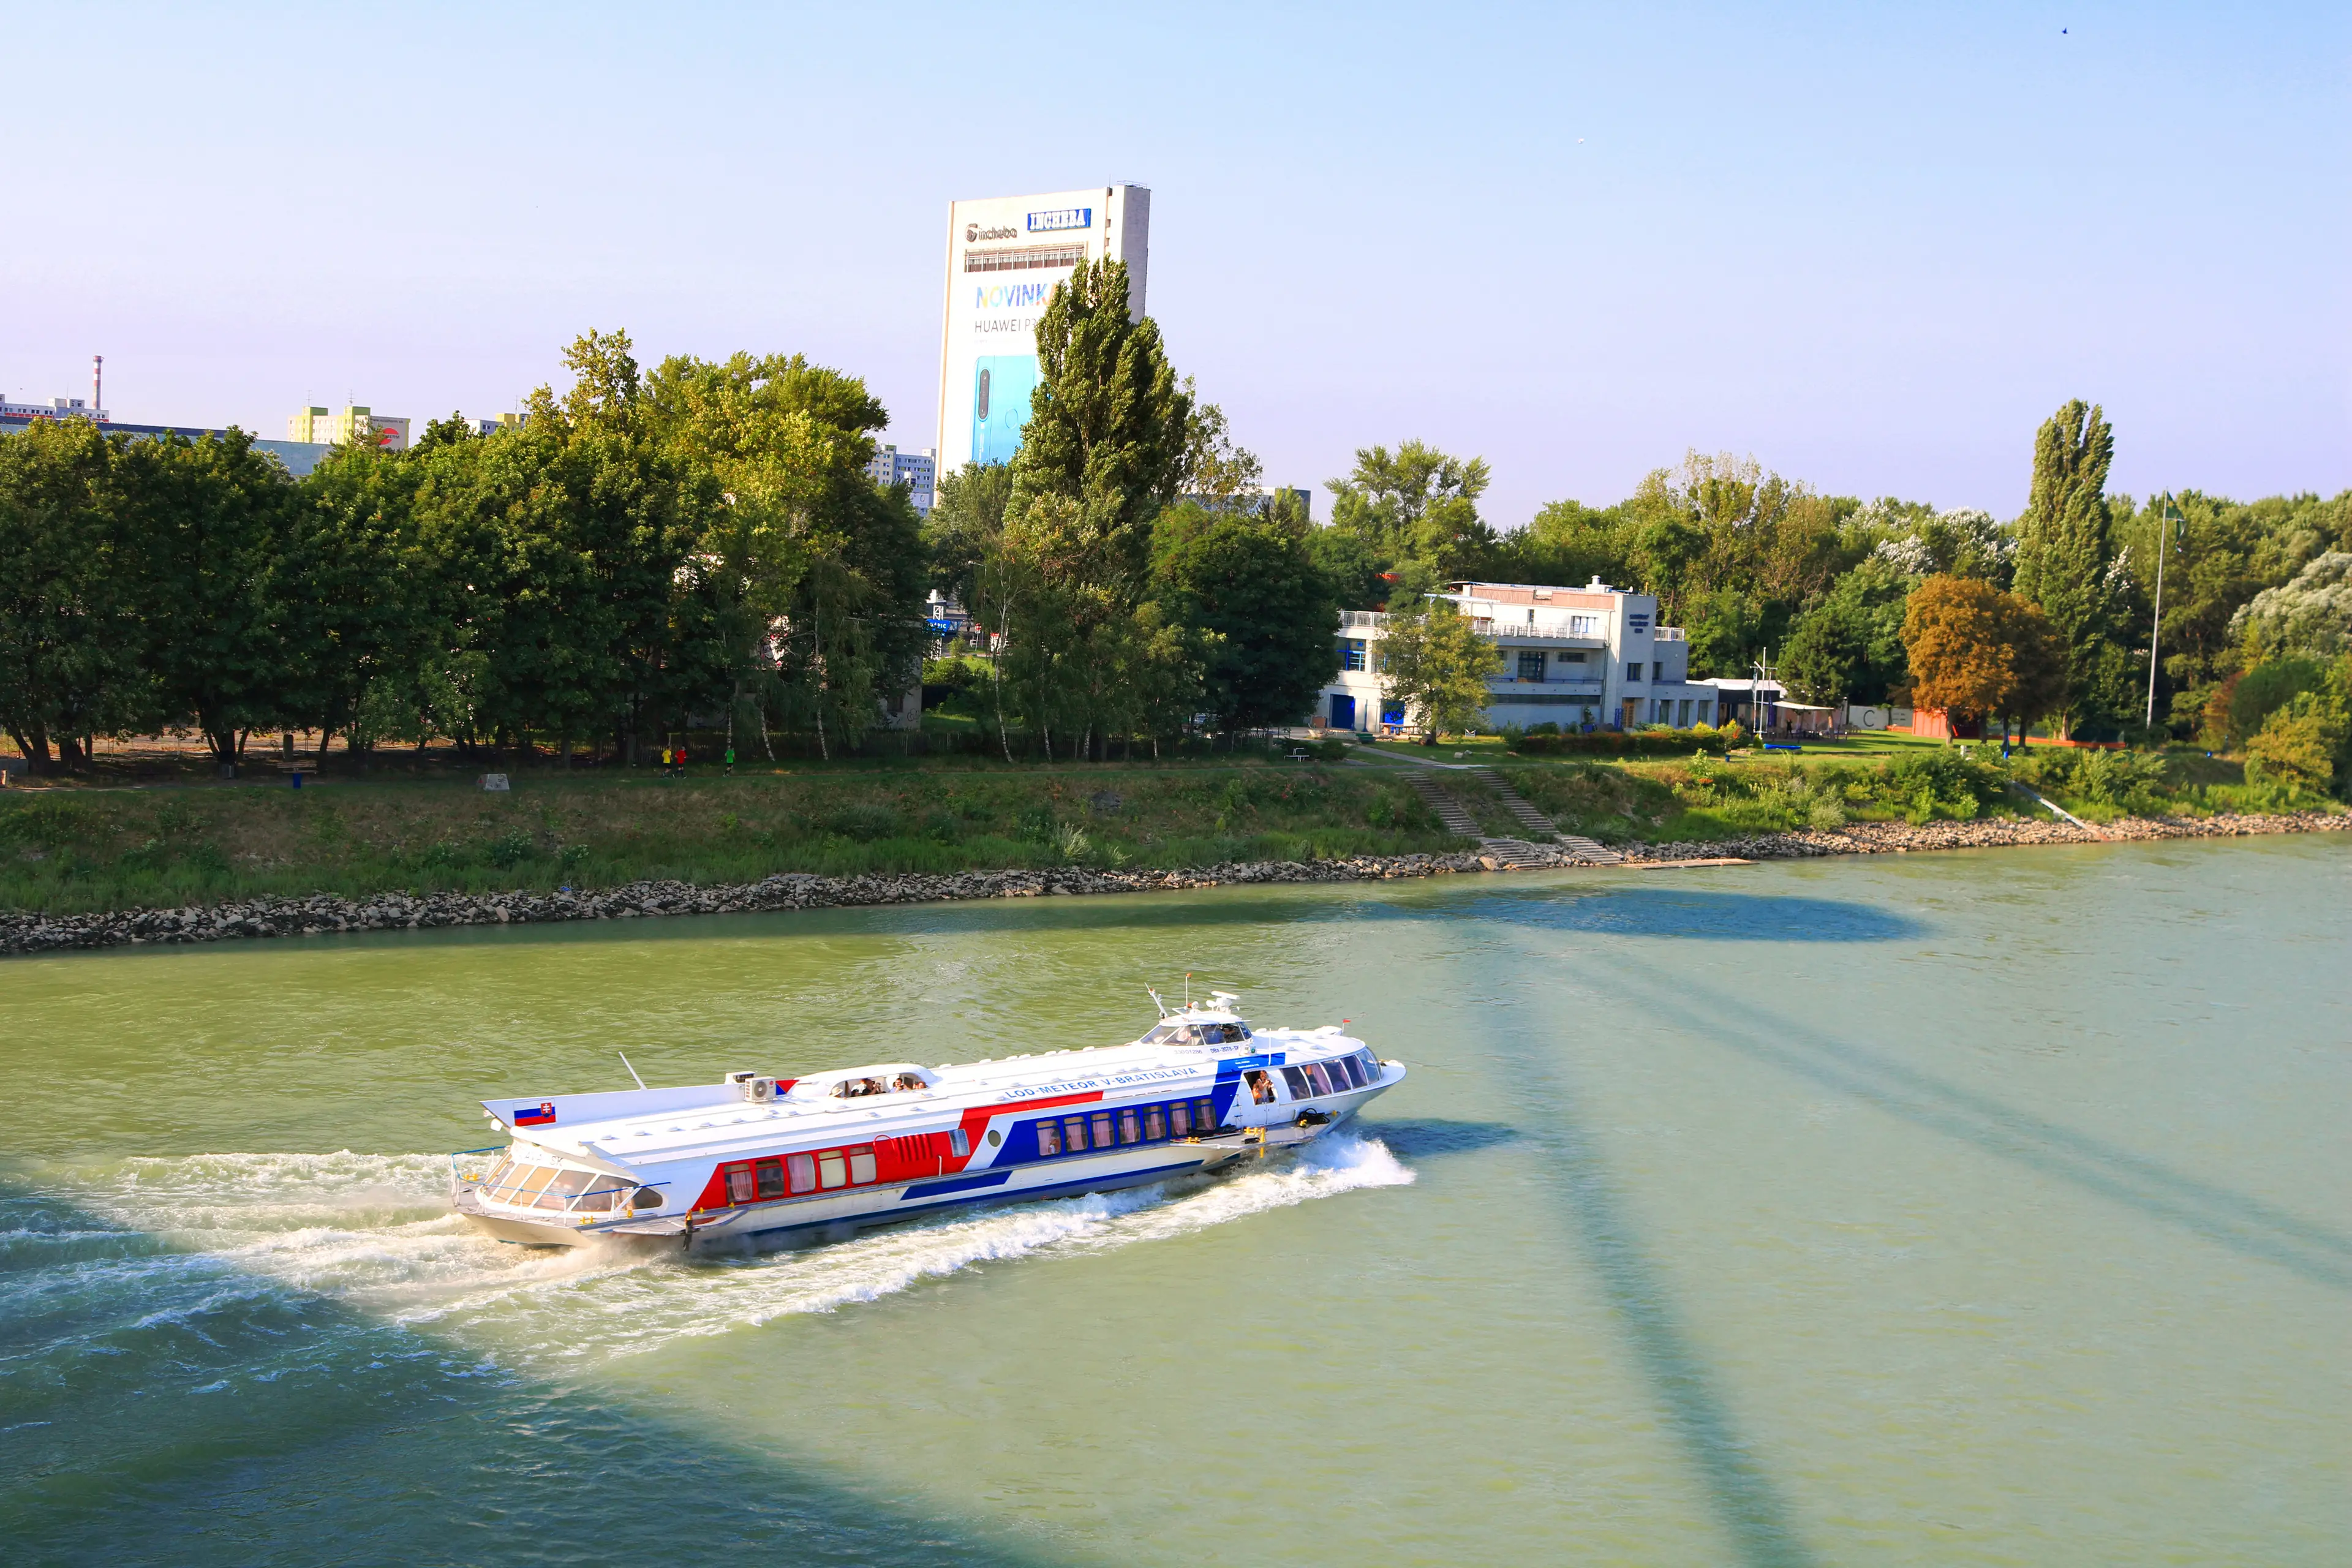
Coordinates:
(1340, 1075)
(520, 1183)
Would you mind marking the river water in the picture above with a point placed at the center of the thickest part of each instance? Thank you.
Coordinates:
(1967, 1208)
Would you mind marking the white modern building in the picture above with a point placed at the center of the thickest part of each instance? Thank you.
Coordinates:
(916, 469)
(1005, 256)
(1590, 658)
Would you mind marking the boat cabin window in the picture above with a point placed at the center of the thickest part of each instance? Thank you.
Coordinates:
(1368, 1065)
(1197, 1035)
(802, 1169)
(861, 1165)
(565, 1186)
(771, 1178)
(740, 1185)
(906, 1080)
(832, 1170)
(1261, 1086)
(1110, 1130)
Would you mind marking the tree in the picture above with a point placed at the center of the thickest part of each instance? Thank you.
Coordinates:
(1416, 505)
(965, 525)
(805, 590)
(2312, 614)
(2066, 561)
(1822, 656)
(204, 529)
(359, 599)
(1216, 473)
(1977, 651)
(1435, 663)
(69, 652)
(2307, 743)
(1107, 427)
(1252, 581)
(1569, 543)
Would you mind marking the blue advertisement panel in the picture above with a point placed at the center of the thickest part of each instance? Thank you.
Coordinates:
(1000, 404)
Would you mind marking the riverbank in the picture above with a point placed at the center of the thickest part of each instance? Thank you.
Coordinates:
(321, 914)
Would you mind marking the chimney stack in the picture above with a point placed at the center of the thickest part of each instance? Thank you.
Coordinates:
(96, 386)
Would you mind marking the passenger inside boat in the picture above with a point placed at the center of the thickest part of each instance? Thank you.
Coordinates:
(1197, 1035)
(909, 1080)
(1261, 1087)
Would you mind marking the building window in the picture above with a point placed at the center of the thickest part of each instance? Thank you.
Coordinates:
(1682, 714)
(1351, 653)
(1583, 626)
(1049, 1140)
(1633, 673)
(1531, 665)
(1023, 261)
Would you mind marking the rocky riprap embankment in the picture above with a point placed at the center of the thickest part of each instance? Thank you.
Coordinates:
(1992, 833)
(24, 933)
(21, 934)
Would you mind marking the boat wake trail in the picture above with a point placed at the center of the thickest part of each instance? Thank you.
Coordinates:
(373, 1231)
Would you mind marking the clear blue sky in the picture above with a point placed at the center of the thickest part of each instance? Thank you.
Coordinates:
(1872, 245)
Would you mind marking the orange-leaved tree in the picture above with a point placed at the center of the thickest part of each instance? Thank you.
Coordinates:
(1978, 652)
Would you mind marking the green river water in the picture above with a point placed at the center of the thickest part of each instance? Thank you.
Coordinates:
(1954, 1209)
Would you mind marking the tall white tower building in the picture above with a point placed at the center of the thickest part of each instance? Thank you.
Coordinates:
(1005, 256)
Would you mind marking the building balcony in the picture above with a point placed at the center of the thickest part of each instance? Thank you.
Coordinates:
(1504, 686)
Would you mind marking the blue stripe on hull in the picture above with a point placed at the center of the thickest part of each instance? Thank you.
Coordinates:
(961, 1184)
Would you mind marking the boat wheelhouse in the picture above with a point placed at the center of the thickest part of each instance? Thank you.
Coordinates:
(759, 1161)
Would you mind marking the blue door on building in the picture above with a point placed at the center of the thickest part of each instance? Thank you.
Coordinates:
(1343, 711)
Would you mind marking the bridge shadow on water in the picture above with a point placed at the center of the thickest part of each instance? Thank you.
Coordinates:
(1745, 1499)
(2247, 1226)
(165, 1407)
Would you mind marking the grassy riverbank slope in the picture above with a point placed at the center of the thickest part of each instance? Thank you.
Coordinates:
(79, 848)
(83, 846)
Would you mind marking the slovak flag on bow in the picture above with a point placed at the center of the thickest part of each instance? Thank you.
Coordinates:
(527, 1116)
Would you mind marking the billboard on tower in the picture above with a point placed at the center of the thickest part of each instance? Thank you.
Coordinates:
(1005, 256)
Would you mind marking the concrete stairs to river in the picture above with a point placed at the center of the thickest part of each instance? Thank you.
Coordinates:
(1517, 854)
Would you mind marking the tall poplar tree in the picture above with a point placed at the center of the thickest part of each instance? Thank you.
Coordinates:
(2066, 549)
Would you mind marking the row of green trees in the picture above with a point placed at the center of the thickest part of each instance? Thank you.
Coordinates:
(1756, 565)
(703, 539)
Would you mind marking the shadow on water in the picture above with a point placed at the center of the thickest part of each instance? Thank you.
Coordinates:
(1419, 1140)
(163, 1406)
(1619, 910)
(1694, 914)
(2246, 1225)
(1747, 1504)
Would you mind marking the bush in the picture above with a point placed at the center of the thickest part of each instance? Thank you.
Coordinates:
(1688, 743)
(2302, 745)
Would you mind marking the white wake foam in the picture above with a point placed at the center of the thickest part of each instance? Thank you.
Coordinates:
(374, 1231)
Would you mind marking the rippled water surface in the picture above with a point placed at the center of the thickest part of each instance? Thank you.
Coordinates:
(1944, 1209)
